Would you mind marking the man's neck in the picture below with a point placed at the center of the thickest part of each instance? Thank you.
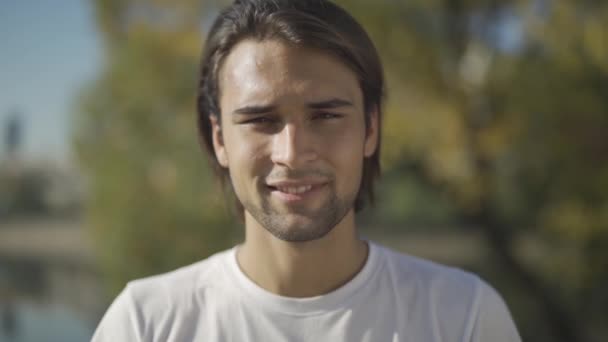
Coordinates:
(302, 269)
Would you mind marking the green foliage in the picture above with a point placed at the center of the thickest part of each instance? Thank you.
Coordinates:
(516, 140)
(473, 133)
(154, 205)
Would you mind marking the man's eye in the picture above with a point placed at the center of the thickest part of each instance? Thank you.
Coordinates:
(326, 116)
(262, 120)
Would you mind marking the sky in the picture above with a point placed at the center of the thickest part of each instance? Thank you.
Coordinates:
(48, 51)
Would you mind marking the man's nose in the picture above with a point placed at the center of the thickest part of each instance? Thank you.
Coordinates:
(293, 146)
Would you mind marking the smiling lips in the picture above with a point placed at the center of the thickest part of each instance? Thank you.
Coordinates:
(292, 191)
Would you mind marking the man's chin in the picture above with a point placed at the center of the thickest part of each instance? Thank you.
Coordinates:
(296, 227)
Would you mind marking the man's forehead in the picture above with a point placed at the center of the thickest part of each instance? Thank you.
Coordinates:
(260, 52)
(269, 70)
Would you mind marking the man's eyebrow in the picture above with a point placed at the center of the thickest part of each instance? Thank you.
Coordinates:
(252, 110)
(264, 109)
(329, 104)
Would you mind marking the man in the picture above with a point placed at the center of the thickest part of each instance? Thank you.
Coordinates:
(289, 110)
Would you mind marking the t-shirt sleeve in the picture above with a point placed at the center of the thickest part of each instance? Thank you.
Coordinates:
(493, 322)
(120, 322)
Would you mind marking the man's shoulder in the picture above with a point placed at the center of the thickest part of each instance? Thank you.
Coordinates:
(424, 271)
(444, 285)
(152, 306)
(459, 299)
(180, 284)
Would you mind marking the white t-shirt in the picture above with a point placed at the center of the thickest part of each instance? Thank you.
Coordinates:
(395, 297)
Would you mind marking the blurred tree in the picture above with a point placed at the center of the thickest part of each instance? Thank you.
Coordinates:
(500, 106)
(497, 109)
(153, 204)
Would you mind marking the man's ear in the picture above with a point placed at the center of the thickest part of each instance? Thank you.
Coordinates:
(218, 140)
(371, 134)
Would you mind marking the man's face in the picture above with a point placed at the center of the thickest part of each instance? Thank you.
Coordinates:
(293, 137)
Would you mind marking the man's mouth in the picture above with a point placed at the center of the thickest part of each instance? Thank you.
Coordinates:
(294, 192)
(294, 189)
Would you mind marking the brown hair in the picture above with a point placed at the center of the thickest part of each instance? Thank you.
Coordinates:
(317, 24)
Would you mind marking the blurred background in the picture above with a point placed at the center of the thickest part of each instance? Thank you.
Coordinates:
(495, 153)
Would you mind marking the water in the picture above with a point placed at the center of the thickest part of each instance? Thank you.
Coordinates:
(35, 322)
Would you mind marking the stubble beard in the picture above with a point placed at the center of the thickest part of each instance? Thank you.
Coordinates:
(316, 223)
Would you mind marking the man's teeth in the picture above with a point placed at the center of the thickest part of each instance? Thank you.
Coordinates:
(295, 189)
